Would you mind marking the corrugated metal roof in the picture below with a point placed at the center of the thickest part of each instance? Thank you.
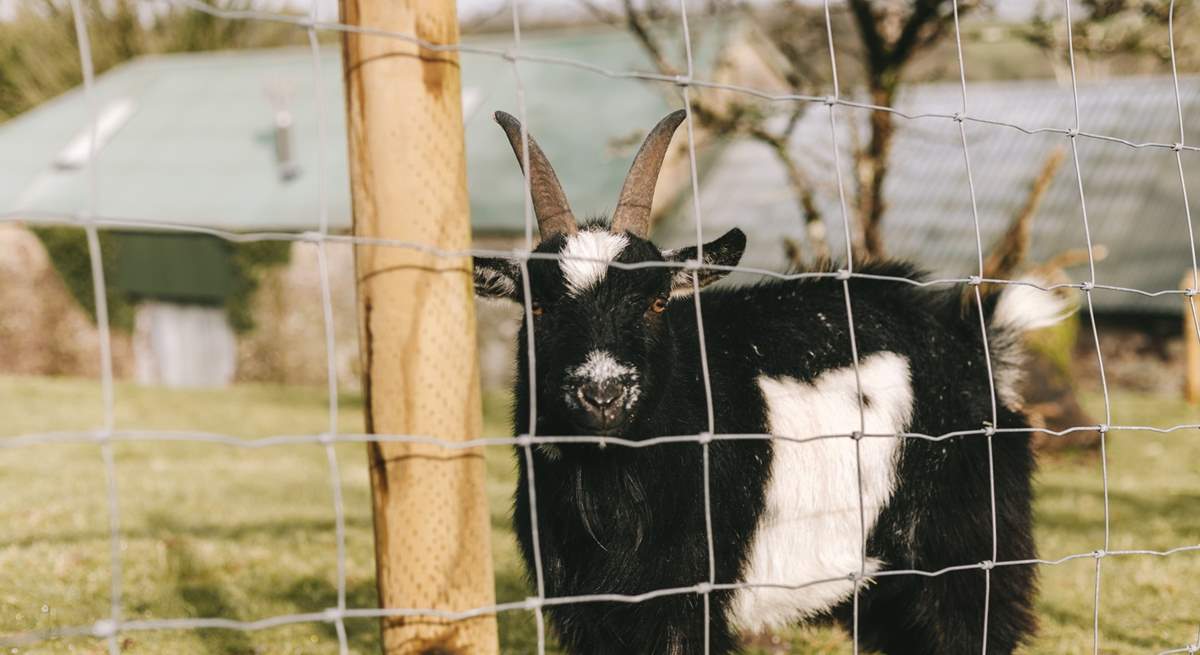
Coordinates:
(198, 147)
(1134, 201)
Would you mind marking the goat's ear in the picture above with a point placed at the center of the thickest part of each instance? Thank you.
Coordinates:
(726, 250)
(496, 278)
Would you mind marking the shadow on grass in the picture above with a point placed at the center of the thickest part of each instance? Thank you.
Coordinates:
(159, 524)
(1052, 614)
(1179, 508)
(202, 591)
(315, 593)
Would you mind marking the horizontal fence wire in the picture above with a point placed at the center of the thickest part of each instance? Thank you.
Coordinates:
(106, 436)
(36, 217)
(104, 627)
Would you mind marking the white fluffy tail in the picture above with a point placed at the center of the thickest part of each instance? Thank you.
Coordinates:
(1022, 308)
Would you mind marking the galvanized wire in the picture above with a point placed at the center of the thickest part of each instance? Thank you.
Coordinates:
(108, 434)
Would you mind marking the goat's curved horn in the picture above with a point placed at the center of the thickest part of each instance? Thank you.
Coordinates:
(633, 208)
(549, 202)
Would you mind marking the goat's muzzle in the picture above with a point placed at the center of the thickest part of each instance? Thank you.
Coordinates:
(602, 405)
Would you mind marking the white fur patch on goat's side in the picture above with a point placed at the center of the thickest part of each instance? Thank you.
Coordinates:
(810, 528)
(586, 256)
(1020, 309)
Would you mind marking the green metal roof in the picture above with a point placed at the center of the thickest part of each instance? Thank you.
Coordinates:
(190, 139)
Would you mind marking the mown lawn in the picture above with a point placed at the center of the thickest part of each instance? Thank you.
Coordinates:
(213, 531)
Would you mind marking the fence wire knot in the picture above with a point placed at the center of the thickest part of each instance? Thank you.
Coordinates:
(1072, 133)
(704, 588)
(987, 565)
(830, 101)
(959, 117)
(705, 437)
(532, 603)
(683, 80)
(975, 280)
(843, 274)
(1099, 553)
(524, 441)
(104, 628)
(1087, 286)
(332, 615)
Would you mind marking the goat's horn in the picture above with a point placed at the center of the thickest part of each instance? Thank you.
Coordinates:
(633, 209)
(549, 202)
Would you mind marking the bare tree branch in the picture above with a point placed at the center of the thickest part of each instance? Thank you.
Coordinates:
(737, 117)
(1010, 251)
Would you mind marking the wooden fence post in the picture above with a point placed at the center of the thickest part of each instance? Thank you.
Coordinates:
(1191, 346)
(417, 324)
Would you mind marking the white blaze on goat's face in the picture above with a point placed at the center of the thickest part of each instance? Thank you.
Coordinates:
(600, 366)
(810, 528)
(586, 256)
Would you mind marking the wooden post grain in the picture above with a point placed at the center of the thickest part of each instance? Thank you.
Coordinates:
(1191, 384)
(417, 325)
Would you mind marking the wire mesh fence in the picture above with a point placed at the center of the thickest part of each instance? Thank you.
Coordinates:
(106, 435)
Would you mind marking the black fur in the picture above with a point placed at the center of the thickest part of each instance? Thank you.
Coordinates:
(625, 520)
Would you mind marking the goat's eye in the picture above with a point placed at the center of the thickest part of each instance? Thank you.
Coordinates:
(537, 309)
(659, 305)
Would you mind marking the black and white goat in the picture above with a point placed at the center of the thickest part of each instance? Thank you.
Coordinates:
(618, 355)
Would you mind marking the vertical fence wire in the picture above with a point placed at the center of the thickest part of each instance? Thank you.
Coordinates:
(1190, 298)
(845, 274)
(983, 332)
(109, 629)
(335, 475)
(1088, 287)
(527, 317)
(705, 375)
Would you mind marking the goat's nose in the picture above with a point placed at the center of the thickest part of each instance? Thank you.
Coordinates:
(601, 395)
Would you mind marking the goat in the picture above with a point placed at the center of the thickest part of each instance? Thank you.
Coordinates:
(618, 355)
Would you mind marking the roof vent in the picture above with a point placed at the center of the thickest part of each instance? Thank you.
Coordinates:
(284, 152)
(279, 93)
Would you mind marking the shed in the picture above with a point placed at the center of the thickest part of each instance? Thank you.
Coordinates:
(229, 141)
(1134, 199)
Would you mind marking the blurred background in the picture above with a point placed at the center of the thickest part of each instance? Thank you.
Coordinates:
(213, 123)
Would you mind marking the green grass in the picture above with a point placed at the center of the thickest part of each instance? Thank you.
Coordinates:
(247, 534)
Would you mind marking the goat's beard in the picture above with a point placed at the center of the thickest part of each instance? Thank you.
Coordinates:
(612, 506)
